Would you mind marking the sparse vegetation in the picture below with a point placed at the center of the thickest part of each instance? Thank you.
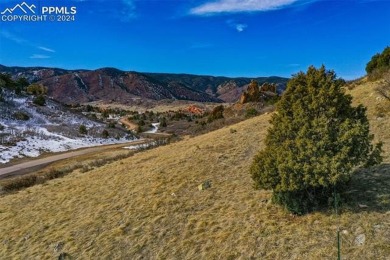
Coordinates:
(163, 122)
(111, 124)
(19, 115)
(217, 113)
(141, 122)
(37, 89)
(251, 112)
(379, 64)
(83, 130)
(18, 183)
(39, 100)
(315, 142)
(7, 82)
(105, 134)
(384, 88)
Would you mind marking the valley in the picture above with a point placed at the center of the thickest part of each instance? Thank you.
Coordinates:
(214, 129)
(113, 211)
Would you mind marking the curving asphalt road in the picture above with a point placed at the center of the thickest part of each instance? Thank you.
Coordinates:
(37, 164)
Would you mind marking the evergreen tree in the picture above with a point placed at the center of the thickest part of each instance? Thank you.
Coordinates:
(39, 100)
(315, 141)
(83, 130)
(105, 134)
(163, 122)
(378, 64)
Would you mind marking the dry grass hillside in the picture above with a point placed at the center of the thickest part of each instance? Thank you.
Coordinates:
(149, 207)
(378, 110)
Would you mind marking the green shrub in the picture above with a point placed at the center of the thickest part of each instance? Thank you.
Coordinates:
(39, 100)
(105, 134)
(37, 89)
(251, 112)
(20, 85)
(83, 130)
(105, 114)
(21, 116)
(315, 142)
(6, 81)
(378, 64)
(272, 100)
(89, 108)
(163, 122)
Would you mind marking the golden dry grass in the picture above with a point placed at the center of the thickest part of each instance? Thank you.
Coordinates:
(364, 93)
(148, 207)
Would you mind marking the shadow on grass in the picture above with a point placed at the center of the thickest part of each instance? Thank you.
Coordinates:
(369, 190)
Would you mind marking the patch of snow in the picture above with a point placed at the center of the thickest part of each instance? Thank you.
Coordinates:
(20, 100)
(140, 146)
(81, 80)
(154, 130)
(113, 117)
(33, 146)
(49, 129)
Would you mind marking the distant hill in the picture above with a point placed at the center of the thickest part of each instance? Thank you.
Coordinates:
(113, 85)
(225, 88)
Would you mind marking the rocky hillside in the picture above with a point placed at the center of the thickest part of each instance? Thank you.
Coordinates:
(224, 88)
(112, 85)
(28, 130)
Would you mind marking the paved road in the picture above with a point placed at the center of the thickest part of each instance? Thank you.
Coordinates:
(37, 164)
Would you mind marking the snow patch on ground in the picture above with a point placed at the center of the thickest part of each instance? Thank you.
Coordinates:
(154, 130)
(49, 129)
(140, 146)
(33, 146)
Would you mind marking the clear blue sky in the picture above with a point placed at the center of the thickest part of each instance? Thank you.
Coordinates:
(212, 37)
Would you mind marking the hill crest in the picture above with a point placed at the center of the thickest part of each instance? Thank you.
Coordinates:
(114, 85)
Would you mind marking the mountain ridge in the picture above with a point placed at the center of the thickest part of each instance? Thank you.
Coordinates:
(115, 85)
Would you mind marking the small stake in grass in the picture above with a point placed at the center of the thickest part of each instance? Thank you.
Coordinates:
(338, 226)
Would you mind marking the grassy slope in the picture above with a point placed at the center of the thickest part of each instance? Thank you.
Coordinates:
(380, 125)
(148, 206)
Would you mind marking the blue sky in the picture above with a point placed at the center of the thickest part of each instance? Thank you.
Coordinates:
(210, 37)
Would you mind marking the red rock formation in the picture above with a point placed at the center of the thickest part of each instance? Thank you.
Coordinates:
(193, 109)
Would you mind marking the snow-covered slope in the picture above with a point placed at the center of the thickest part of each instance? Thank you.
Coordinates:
(51, 128)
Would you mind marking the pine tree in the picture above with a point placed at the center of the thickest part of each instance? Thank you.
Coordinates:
(83, 130)
(315, 141)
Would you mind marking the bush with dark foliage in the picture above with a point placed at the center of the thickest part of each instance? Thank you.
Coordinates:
(315, 141)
